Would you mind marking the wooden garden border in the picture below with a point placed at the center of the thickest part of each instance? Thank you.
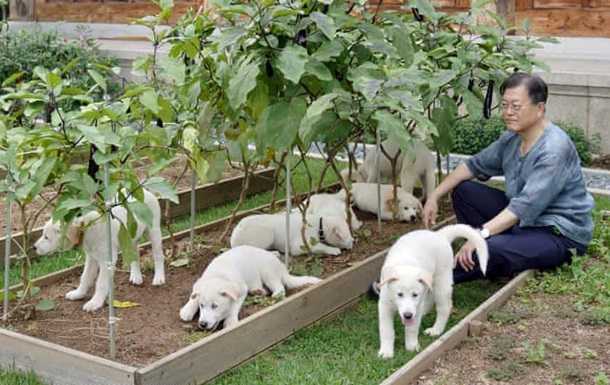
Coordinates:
(206, 195)
(424, 360)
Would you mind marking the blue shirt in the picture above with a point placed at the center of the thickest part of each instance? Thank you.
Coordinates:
(545, 187)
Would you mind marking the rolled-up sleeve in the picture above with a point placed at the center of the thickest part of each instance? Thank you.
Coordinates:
(545, 182)
(488, 162)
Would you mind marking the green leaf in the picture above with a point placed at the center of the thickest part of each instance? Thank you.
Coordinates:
(328, 50)
(216, 161)
(319, 70)
(160, 186)
(11, 296)
(242, 83)
(279, 123)
(444, 117)
(141, 211)
(424, 7)
(99, 79)
(41, 73)
(368, 87)
(149, 100)
(45, 304)
(129, 249)
(173, 69)
(474, 105)
(402, 43)
(93, 135)
(394, 128)
(325, 23)
(292, 62)
(258, 99)
(313, 114)
(72, 203)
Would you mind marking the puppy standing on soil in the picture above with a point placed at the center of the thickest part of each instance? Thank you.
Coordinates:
(90, 230)
(220, 292)
(418, 271)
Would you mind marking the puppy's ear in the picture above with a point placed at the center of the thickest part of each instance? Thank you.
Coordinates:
(230, 291)
(74, 233)
(426, 279)
(194, 296)
(388, 275)
(387, 280)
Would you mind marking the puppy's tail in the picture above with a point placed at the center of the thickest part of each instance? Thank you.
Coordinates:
(294, 282)
(452, 232)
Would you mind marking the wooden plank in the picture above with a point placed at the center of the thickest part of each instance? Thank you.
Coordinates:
(206, 196)
(574, 22)
(211, 356)
(21, 10)
(425, 360)
(60, 365)
(524, 5)
(557, 4)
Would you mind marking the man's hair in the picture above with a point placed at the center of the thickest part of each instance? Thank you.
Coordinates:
(537, 89)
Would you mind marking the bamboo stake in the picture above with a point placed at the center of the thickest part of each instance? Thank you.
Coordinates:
(288, 208)
(193, 188)
(378, 168)
(7, 253)
(111, 317)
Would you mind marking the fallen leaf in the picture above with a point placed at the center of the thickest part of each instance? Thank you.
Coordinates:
(124, 304)
(180, 262)
(45, 304)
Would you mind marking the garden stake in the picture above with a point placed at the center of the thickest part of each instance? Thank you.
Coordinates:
(377, 161)
(193, 187)
(111, 318)
(7, 252)
(288, 207)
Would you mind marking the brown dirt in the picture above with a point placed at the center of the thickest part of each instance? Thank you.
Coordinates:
(171, 174)
(153, 329)
(602, 162)
(534, 339)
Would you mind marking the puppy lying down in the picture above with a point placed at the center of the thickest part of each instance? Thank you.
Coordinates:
(418, 272)
(221, 290)
(365, 198)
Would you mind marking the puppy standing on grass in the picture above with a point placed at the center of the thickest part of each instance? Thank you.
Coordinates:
(90, 230)
(418, 271)
(221, 290)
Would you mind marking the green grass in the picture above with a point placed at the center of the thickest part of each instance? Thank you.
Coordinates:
(10, 377)
(344, 350)
(46, 265)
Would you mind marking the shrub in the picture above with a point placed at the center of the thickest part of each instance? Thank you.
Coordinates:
(471, 136)
(22, 51)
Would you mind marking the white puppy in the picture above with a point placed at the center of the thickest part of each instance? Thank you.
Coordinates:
(330, 205)
(221, 290)
(268, 231)
(416, 165)
(418, 272)
(90, 230)
(365, 198)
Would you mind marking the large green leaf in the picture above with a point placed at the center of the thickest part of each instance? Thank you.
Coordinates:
(292, 62)
(243, 81)
(129, 249)
(319, 70)
(368, 87)
(325, 23)
(474, 105)
(141, 211)
(313, 114)
(149, 100)
(73, 203)
(394, 128)
(443, 116)
(279, 123)
(160, 186)
(329, 50)
(99, 79)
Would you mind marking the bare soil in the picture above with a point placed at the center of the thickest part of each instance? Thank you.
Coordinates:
(602, 162)
(174, 174)
(534, 339)
(153, 329)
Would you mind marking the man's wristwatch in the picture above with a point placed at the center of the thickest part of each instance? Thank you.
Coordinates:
(484, 232)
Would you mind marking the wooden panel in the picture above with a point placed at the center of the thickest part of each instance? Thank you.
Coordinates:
(424, 360)
(524, 5)
(599, 4)
(58, 364)
(106, 12)
(584, 22)
(557, 4)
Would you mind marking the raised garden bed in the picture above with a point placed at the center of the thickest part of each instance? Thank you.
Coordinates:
(148, 333)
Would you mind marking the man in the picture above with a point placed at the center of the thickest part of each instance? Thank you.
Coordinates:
(545, 213)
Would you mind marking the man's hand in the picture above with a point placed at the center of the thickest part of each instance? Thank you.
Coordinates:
(464, 256)
(430, 212)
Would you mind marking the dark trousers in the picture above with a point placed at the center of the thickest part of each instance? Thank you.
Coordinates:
(517, 248)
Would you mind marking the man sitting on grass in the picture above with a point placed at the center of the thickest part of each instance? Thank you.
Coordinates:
(545, 213)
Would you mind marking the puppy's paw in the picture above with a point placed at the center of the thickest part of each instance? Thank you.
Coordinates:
(433, 332)
(385, 354)
(186, 314)
(75, 295)
(279, 294)
(158, 280)
(412, 346)
(136, 278)
(93, 305)
(334, 251)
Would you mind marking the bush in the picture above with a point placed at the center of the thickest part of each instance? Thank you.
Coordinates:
(471, 136)
(22, 51)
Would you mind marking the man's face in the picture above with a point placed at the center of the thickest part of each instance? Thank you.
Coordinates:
(518, 111)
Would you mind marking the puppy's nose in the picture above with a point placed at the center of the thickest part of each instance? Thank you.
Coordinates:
(412, 218)
(203, 325)
(407, 315)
